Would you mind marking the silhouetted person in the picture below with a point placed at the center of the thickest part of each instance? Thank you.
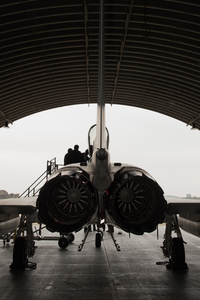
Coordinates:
(75, 156)
(66, 158)
(86, 155)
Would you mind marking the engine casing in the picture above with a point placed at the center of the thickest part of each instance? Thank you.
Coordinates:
(136, 202)
(66, 202)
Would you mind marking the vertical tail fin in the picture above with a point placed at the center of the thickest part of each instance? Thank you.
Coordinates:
(101, 179)
(101, 138)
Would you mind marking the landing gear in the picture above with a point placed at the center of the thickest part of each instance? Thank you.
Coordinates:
(20, 259)
(65, 241)
(71, 238)
(178, 254)
(6, 239)
(173, 248)
(98, 240)
(24, 247)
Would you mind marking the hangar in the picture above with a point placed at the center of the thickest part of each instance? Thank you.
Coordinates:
(49, 56)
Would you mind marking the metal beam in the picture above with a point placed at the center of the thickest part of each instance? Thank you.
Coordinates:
(121, 50)
(86, 50)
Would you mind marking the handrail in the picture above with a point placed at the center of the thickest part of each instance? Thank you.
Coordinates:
(51, 168)
(29, 190)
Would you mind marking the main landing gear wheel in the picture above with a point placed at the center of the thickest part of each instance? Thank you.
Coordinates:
(178, 255)
(20, 260)
(98, 240)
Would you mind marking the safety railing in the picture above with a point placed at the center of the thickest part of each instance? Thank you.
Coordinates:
(35, 187)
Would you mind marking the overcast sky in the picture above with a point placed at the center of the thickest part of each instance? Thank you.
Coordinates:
(163, 146)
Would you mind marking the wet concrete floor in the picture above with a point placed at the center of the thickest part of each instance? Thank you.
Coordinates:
(102, 273)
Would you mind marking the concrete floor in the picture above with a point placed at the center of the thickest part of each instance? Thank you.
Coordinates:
(104, 273)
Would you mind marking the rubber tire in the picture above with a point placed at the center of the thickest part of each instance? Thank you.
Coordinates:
(98, 240)
(20, 259)
(63, 242)
(71, 237)
(178, 254)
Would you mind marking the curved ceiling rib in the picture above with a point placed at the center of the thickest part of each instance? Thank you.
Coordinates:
(49, 56)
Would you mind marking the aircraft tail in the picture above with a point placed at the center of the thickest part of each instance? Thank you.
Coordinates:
(101, 131)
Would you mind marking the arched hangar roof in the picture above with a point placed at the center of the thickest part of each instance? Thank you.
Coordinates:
(49, 56)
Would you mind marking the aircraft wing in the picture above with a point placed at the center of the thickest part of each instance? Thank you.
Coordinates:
(27, 205)
(18, 205)
(182, 206)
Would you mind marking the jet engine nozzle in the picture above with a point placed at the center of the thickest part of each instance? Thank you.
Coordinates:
(66, 203)
(136, 202)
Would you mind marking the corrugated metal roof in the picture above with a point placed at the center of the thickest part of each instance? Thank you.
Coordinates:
(49, 56)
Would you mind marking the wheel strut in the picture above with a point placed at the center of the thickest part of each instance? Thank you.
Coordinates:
(174, 247)
(20, 257)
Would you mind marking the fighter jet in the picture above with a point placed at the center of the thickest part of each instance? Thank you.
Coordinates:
(96, 192)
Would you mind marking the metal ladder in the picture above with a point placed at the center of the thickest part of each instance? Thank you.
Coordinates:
(35, 187)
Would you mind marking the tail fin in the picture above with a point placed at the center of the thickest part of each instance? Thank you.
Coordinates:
(101, 131)
(101, 159)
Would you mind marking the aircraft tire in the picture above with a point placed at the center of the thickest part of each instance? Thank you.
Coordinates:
(178, 254)
(63, 242)
(98, 240)
(71, 238)
(20, 259)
